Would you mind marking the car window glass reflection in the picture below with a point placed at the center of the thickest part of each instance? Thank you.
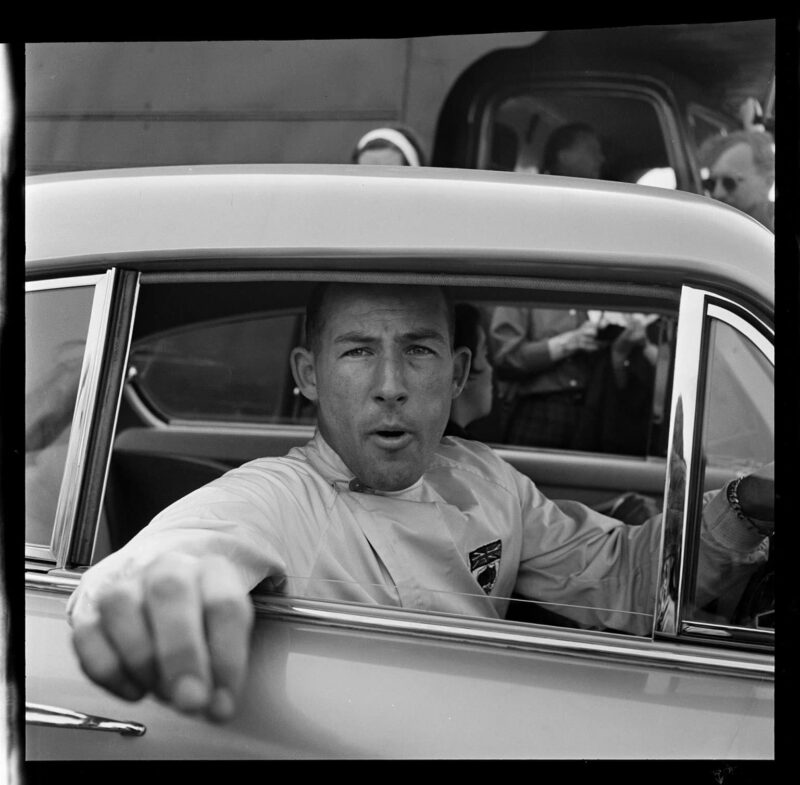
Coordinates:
(57, 323)
(738, 438)
(233, 370)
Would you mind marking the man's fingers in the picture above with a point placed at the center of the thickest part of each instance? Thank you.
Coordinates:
(228, 623)
(101, 663)
(174, 611)
(127, 630)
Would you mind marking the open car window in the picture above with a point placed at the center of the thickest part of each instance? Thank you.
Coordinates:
(208, 388)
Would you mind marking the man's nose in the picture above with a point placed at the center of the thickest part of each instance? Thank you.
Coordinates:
(390, 380)
(719, 191)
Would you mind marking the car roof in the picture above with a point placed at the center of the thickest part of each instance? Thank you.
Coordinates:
(189, 212)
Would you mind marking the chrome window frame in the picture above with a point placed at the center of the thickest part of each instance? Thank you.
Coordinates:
(681, 498)
(83, 415)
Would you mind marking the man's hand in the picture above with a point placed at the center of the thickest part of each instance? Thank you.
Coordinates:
(582, 338)
(179, 629)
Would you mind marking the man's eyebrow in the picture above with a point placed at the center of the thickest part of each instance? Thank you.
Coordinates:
(354, 337)
(413, 335)
(421, 335)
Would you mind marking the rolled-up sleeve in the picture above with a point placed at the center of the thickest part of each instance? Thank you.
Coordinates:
(229, 517)
(603, 574)
(513, 349)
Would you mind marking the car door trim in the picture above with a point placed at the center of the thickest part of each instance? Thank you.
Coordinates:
(613, 647)
(529, 637)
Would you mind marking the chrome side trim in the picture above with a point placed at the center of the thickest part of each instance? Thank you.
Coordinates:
(56, 717)
(670, 591)
(611, 647)
(54, 581)
(762, 636)
(77, 450)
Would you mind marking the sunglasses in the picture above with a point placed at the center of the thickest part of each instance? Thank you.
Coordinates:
(728, 183)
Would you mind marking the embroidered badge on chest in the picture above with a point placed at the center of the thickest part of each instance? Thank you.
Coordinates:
(484, 562)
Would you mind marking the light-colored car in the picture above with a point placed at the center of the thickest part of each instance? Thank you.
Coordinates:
(160, 308)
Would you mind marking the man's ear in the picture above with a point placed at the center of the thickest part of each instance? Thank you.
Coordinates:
(461, 363)
(304, 372)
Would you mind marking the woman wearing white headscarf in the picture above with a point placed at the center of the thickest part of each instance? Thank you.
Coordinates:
(393, 146)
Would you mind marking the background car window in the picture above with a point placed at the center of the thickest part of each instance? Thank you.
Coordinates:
(738, 437)
(232, 370)
(629, 129)
(57, 323)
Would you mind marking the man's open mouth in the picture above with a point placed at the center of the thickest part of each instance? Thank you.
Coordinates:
(391, 438)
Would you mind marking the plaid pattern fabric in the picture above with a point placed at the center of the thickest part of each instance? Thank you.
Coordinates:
(547, 420)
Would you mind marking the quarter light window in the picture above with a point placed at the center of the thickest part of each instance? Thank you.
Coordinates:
(233, 370)
(57, 324)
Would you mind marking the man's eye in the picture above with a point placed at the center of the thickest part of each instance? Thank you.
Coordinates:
(359, 351)
(420, 351)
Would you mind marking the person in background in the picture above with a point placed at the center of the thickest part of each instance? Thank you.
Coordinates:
(741, 172)
(573, 150)
(390, 146)
(475, 400)
(541, 356)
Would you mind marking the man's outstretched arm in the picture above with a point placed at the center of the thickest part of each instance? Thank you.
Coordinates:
(170, 612)
(178, 628)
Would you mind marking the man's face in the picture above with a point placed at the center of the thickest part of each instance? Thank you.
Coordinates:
(738, 182)
(382, 156)
(583, 159)
(384, 376)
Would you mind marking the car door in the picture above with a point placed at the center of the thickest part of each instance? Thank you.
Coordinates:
(333, 679)
(77, 330)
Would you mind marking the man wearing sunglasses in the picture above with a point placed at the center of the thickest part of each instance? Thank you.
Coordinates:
(741, 172)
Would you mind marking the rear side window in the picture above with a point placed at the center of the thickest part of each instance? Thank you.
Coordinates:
(56, 328)
(605, 392)
(228, 370)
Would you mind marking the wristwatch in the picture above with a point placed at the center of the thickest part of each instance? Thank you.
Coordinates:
(732, 493)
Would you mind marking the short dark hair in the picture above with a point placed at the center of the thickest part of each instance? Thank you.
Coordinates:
(314, 321)
(760, 142)
(562, 139)
(468, 323)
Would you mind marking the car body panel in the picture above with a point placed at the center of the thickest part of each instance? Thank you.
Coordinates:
(335, 692)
